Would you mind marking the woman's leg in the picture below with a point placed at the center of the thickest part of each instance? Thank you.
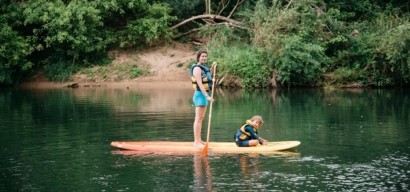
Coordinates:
(199, 117)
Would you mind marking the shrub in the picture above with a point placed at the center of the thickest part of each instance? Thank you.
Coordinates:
(299, 62)
(60, 70)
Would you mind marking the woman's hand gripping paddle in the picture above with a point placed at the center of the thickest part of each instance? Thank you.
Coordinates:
(205, 149)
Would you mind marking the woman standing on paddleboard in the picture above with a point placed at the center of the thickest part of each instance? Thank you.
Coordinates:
(201, 78)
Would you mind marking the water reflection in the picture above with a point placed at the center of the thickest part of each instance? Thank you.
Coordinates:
(203, 175)
(246, 167)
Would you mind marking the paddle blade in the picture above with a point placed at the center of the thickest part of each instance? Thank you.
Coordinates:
(205, 150)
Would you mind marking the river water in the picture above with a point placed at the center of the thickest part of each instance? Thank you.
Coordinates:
(59, 140)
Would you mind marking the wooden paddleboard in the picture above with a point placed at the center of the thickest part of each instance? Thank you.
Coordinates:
(213, 147)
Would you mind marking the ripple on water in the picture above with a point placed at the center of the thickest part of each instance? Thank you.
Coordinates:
(389, 173)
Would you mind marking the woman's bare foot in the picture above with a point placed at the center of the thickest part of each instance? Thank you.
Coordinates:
(199, 144)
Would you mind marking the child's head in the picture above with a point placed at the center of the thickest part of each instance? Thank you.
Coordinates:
(257, 121)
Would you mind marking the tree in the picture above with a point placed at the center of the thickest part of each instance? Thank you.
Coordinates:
(14, 47)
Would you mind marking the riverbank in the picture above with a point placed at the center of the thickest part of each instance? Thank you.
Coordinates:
(166, 66)
(119, 85)
(154, 82)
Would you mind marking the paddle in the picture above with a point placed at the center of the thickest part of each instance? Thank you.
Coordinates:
(205, 149)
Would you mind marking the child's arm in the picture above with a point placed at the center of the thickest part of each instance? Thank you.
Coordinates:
(262, 141)
(249, 129)
(256, 136)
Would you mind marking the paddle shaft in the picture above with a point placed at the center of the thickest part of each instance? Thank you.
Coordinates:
(205, 149)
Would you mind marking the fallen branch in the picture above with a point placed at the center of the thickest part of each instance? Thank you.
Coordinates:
(186, 33)
(197, 29)
(208, 16)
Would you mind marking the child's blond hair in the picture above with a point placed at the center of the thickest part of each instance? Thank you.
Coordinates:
(257, 118)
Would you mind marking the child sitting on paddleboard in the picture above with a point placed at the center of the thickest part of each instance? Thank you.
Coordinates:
(247, 135)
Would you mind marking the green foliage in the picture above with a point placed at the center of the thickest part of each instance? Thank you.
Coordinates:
(395, 44)
(348, 52)
(72, 29)
(240, 61)
(354, 10)
(13, 52)
(135, 72)
(286, 34)
(59, 70)
(302, 41)
(183, 9)
(361, 47)
(152, 26)
(14, 48)
(299, 62)
(357, 11)
(356, 49)
(116, 72)
(130, 71)
(307, 40)
(74, 33)
(342, 76)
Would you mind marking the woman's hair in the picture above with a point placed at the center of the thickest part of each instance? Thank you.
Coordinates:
(257, 118)
(199, 54)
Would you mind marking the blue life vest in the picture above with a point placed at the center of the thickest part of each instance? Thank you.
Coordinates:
(205, 76)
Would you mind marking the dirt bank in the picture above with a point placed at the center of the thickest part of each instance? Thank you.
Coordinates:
(168, 68)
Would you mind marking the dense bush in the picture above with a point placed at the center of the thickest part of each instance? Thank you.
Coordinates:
(62, 36)
(242, 62)
(307, 41)
(395, 45)
(288, 36)
(300, 63)
(14, 48)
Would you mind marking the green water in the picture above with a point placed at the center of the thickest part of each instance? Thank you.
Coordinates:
(59, 140)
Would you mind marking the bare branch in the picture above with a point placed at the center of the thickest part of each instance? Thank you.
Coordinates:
(207, 16)
(207, 6)
(185, 33)
(287, 6)
(208, 21)
(197, 29)
(223, 6)
(233, 25)
(238, 2)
